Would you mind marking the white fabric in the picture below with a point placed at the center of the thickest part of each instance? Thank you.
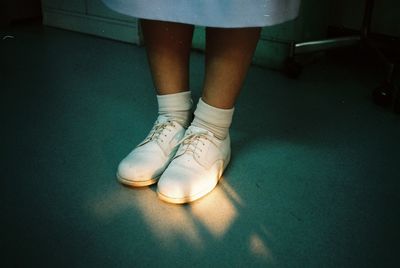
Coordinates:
(213, 119)
(213, 13)
(176, 107)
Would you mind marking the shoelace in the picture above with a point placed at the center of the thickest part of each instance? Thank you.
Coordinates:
(157, 131)
(191, 140)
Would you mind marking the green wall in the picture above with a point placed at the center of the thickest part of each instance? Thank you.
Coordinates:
(91, 17)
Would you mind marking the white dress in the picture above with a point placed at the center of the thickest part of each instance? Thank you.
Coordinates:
(213, 13)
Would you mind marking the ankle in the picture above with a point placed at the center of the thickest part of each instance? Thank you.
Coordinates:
(213, 119)
(176, 107)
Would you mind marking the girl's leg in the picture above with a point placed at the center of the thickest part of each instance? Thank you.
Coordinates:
(205, 151)
(228, 56)
(168, 47)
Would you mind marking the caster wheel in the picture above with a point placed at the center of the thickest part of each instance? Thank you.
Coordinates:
(292, 69)
(382, 95)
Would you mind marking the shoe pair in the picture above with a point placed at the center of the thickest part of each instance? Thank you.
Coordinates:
(187, 164)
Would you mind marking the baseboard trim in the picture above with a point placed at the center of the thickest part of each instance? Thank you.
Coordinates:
(103, 27)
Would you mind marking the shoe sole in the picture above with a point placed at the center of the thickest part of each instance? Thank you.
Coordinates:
(184, 200)
(196, 196)
(137, 183)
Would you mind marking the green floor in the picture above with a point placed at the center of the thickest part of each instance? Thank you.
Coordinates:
(314, 179)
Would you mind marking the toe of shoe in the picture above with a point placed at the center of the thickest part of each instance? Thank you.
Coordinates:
(182, 186)
(135, 175)
(126, 172)
(172, 189)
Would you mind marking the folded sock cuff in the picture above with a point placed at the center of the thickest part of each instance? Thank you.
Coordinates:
(181, 101)
(213, 115)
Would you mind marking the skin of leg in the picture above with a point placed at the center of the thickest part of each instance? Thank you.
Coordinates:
(229, 52)
(168, 47)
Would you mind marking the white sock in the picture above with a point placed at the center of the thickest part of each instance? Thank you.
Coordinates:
(213, 119)
(176, 107)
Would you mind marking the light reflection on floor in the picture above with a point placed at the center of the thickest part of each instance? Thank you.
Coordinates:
(258, 248)
(170, 223)
(216, 212)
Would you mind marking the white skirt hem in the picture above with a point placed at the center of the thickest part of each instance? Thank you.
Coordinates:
(211, 13)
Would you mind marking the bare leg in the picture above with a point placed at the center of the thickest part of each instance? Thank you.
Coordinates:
(168, 47)
(168, 50)
(228, 55)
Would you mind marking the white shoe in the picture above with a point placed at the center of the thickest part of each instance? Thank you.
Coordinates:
(144, 165)
(196, 168)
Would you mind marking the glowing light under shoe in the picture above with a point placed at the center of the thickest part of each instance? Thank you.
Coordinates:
(144, 165)
(196, 168)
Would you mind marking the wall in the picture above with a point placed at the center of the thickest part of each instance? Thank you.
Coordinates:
(385, 20)
(91, 17)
